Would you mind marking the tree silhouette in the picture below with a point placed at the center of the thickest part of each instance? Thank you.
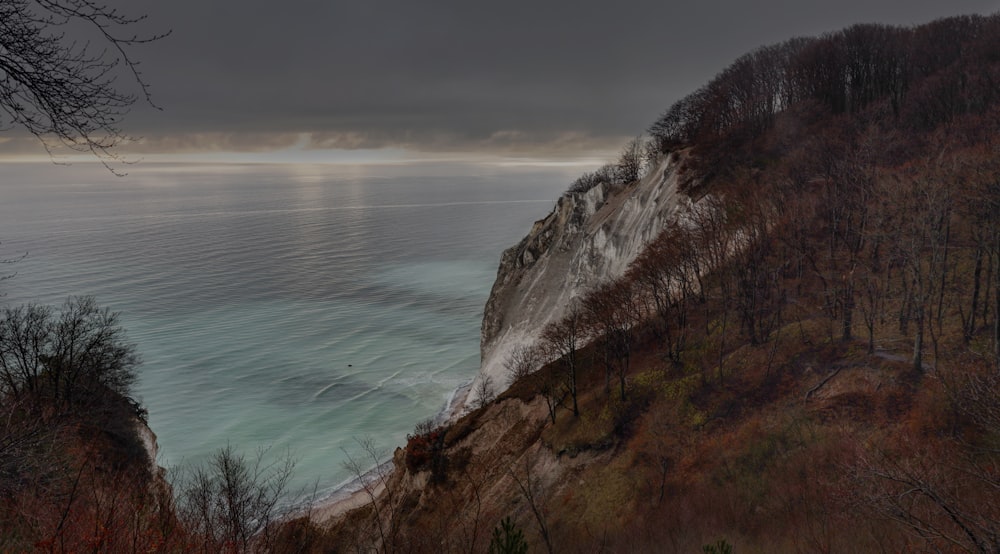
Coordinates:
(70, 358)
(61, 64)
(562, 339)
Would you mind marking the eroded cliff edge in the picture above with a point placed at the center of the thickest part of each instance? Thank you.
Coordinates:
(588, 238)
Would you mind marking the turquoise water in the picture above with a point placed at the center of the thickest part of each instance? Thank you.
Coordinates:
(291, 307)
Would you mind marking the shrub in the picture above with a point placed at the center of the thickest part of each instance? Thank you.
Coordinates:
(720, 547)
(425, 450)
(508, 539)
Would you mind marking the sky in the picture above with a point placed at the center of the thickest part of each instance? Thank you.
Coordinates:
(402, 79)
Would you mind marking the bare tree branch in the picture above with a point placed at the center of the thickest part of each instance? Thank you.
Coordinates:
(60, 67)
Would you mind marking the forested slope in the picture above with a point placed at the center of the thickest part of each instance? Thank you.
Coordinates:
(806, 362)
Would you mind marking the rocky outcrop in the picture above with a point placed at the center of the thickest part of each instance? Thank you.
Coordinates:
(589, 238)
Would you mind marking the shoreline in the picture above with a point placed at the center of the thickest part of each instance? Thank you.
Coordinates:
(352, 494)
(328, 513)
(455, 407)
(349, 496)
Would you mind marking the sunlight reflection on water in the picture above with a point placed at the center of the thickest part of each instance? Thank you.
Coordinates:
(272, 309)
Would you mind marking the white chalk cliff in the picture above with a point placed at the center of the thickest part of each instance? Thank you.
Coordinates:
(589, 238)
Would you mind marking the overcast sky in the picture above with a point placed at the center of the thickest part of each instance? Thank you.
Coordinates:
(516, 77)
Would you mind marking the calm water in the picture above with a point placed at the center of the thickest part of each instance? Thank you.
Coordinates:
(282, 306)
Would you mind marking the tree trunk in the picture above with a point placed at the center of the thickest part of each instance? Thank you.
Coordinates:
(918, 341)
(970, 324)
(847, 319)
(996, 320)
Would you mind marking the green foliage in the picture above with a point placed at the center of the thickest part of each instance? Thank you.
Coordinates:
(621, 414)
(589, 432)
(508, 539)
(720, 547)
(678, 391)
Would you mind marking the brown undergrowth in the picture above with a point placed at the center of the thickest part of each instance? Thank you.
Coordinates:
(777, 457)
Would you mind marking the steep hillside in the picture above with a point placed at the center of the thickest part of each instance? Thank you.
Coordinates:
(769, 461)
(589, 238)
(76, 458)
(802, 360)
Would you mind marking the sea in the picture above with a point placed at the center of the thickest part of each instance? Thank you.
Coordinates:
(300, 309)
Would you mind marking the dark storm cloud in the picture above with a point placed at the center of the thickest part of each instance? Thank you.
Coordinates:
(455, 75)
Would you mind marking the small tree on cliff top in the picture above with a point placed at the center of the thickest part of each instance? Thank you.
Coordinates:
(67, 357)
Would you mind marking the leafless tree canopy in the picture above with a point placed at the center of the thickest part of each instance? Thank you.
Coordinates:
(67, 358)
(231, 504)
(523, 361)
(60, 66)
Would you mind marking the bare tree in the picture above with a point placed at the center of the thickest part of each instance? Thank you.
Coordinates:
(667, 277)
(28, 446)
(921, 234)
(60, 68)
(946, 499)
(231, 504)
(563, 339)
(485, 392)
(630, 163)
(925, 498)
(24, 342)
(470, 506)
(756, 274)
(530, 487)
(714, 237)
(68, 357)
(612, 310)
(523, 361)
(982, 208)
(873, 289)
(551, 388)
(372, 473)
(599, 307)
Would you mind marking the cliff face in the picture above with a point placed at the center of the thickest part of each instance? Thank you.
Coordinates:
(589, 238)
